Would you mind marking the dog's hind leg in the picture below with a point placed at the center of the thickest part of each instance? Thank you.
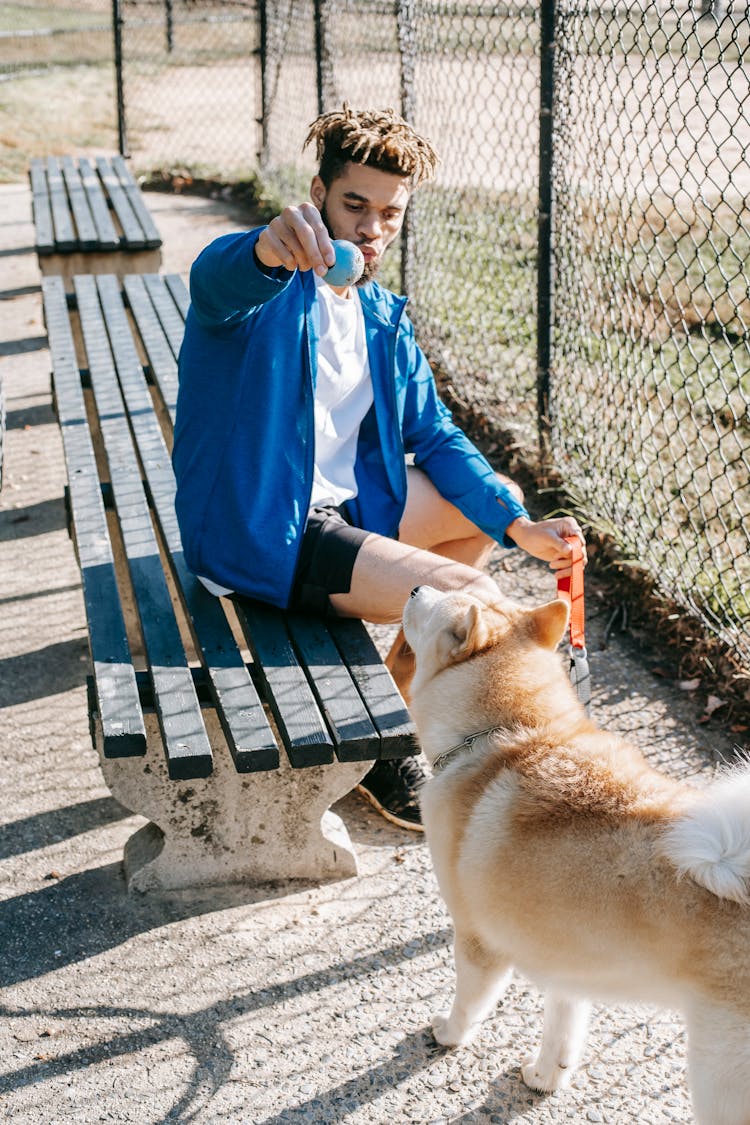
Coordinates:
(481, 979)
(719, 1066)
(563, 1038)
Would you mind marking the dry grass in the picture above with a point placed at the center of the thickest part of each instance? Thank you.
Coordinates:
(62, 111)
(689, 266)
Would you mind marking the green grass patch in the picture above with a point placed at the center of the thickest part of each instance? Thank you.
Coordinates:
(474, 294)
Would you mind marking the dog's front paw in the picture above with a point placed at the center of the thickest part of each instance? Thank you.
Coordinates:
(448, 1033)
(546, 1078)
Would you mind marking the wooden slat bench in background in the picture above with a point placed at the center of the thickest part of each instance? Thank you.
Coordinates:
(90, 217)
(230, 725)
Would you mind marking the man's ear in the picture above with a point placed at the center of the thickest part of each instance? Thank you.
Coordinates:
(317, 192)
(548, 623)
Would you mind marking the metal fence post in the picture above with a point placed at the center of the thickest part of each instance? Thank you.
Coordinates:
(264, 106)
(323, 59)
(122, 132)
(169, 19)
(407, 50)
(544, 227)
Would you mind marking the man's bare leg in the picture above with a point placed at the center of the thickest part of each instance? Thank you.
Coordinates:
(428, 517)
(437, 546)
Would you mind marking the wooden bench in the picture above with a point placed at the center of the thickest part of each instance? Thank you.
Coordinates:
(90, 217)
(230, 725)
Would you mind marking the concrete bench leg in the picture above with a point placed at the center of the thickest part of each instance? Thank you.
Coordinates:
(230, 827)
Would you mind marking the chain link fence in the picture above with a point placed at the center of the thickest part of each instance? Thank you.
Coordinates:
(583, 283)
(190, 84)
(650, 377)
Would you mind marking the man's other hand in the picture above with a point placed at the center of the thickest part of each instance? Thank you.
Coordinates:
(545, 540)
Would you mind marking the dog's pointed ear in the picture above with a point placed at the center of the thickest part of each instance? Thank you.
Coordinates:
(469, 632)
(549, 622)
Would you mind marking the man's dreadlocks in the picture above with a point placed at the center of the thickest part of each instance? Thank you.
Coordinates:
(378, 138)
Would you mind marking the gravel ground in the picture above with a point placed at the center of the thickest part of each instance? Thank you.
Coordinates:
(267, 1004)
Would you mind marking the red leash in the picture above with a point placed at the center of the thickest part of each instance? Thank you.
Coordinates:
(570, 590)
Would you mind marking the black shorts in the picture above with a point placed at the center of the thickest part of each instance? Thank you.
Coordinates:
(330, 545)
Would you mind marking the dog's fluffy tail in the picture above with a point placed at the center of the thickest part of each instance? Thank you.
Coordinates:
(711, 842)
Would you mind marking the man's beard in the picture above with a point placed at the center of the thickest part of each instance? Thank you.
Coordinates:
(371, 267)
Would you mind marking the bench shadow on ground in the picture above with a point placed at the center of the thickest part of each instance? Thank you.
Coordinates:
(33, 519)
(21, 347)
(40, 414)
(50, 670)
(93, 913)
(214, 1057)
(70, 920)
(92, 909)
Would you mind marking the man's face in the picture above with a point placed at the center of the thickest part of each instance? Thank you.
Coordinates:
(365, 206)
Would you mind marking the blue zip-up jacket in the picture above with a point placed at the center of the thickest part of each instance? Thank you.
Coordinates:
(244, 442)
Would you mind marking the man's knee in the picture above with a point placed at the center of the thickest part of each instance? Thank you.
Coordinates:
(456, 576)
(513, 487)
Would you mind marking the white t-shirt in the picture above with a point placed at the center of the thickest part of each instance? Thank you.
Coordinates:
(343, 395)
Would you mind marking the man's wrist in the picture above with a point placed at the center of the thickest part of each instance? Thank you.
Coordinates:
(268, 271)
(264, 267)
(517, 527)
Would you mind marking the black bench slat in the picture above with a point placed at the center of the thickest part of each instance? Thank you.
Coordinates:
(117, 700)
(292, 702)
(65, 236)
(45, 235)
(355, 737)
(186, 744)
(240, 711)
(133, 237)
(171, 319)
(243, 720)
(86, 232)
(151, 237)
(388, 712)
(179, 291)
(160, 356)
(107, 236)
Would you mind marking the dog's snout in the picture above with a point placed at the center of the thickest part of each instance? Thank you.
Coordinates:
(415, 591)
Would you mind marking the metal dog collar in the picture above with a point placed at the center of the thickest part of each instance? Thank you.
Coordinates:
(442, 759)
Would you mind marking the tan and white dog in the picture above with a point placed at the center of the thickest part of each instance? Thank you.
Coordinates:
(561, 852)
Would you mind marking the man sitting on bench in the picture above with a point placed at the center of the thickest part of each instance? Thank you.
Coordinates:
(298, 401)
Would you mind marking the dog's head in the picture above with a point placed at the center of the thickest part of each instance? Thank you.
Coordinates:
(478, 664)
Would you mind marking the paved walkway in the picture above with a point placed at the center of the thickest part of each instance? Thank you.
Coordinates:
(262, 1005)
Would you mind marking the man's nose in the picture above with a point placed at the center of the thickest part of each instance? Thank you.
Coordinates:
(370, 227)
